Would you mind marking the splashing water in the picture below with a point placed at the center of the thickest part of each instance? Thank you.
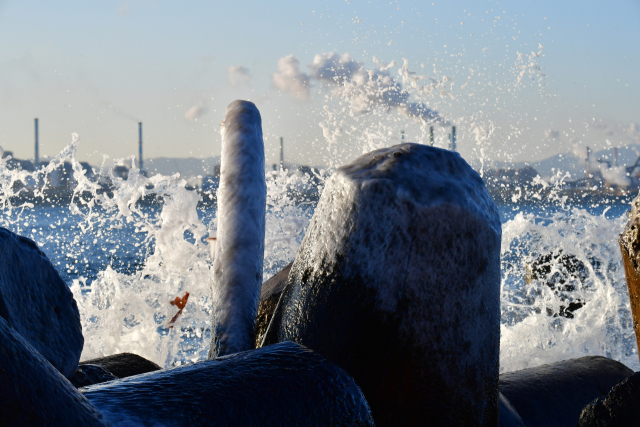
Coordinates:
(578, 261)
(129, 247)
(577, 304)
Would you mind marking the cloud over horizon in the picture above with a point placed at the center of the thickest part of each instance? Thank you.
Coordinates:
(289, 78)
(238, 75)
(195, 112)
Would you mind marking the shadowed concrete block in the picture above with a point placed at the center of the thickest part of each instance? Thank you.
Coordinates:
(87, 375)
(397, 280)
(280, 385)
(33, 392)
(618, 409)
(124, 365)
(555, 394)
(269, 297)
(38, 304)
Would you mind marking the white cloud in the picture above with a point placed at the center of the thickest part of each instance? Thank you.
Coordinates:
(289, 78)
(239, 75)
(195, 112)
(124, 9)
(552, 134)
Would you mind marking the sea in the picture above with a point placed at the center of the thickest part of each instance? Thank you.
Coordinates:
(563, 291)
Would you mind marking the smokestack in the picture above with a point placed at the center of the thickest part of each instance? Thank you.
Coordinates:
(615, 157)
(431, 136)
(140, 146)
(37, 156)
(452, 139)
(586, 170)
(281, 153)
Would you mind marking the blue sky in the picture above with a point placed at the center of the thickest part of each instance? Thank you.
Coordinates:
(95, 68)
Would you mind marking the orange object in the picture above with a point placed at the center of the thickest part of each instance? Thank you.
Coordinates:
(180, 303)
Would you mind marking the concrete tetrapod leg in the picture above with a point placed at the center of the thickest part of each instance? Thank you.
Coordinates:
(38, 304)
(280, 385)
(33, 392)
(397, 280)
(555, 394)
(239, 252)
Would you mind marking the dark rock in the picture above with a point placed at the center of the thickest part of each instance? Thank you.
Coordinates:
(269, 297)
(554, 394)
(38, 304)
(87, 375)
(280, 385)
(124, 365)
(563, 274)
(618, 409)
(397, 281)
(33, 392)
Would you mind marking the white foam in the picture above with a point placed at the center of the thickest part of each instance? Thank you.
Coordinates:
(603, 326)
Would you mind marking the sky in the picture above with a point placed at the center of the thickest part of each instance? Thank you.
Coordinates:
(519, 80)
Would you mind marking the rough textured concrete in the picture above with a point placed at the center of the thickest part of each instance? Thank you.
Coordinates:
(555, 394)
(620, 408)
(630, 249)
(38, 304)
(33, 392)
(87, 375)
(397, 280)
(280, 385)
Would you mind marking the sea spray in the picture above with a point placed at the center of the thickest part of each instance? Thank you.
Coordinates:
(532, 332)
(126, 257)
(129, 246)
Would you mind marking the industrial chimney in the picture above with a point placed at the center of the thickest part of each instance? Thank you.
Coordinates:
(281, 153)
(36, 159)
(452, 139)
(140, 146)
(586, 170)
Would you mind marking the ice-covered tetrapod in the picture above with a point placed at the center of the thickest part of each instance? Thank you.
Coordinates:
(237, 268)
(397, 281)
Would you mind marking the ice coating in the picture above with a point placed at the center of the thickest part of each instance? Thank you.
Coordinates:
(237, 268)
(427, 177)
(398, 278)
